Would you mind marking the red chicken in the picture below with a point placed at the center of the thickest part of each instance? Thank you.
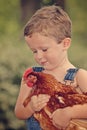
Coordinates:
(61, 96)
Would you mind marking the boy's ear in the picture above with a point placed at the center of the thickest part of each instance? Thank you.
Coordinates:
(66, 43)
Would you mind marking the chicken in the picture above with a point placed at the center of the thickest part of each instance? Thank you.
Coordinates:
(61, 96)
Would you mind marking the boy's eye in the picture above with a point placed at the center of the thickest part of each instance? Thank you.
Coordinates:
(34, 51)
(44, 50)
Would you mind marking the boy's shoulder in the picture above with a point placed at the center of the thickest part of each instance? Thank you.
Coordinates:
(82, 79)
(82, 75)
(82, 72)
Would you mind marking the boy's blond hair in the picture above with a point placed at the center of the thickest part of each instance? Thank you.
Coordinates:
(51, 21)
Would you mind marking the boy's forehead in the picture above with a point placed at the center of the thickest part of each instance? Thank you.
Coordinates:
(38, 37)
(33, 36)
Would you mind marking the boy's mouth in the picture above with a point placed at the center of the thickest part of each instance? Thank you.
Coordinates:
(43, 63)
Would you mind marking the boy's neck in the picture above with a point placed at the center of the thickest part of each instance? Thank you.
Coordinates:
(60, 71)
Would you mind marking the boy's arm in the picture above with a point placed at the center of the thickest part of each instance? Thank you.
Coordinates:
(82, 80)
(78, 111)
(22, 112)
(36, 103)
(62, 117)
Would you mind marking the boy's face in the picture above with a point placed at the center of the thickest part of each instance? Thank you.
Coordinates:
(47, 52)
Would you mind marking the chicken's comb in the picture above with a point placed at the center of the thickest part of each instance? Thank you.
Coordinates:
(25, 76)
(27, 72)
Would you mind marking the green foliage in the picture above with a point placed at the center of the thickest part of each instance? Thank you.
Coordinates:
(9, 16)
(15, 58)
(47, 2)
(77, 10)
(12, 64)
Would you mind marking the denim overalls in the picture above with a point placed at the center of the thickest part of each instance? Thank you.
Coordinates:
(32, 123)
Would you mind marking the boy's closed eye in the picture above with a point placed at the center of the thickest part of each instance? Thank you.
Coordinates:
(44, 50)
(34, 51)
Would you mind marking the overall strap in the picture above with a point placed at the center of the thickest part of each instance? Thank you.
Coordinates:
(38, 69)
(70, 74)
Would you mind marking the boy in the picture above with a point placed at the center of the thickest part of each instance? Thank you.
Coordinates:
(48, 35)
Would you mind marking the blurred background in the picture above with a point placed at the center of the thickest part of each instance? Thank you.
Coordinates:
(15, 56)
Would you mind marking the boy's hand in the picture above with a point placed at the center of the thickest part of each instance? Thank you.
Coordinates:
(61, 118)
(39, 102)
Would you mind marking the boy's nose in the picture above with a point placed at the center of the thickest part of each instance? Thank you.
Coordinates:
(39, 55)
